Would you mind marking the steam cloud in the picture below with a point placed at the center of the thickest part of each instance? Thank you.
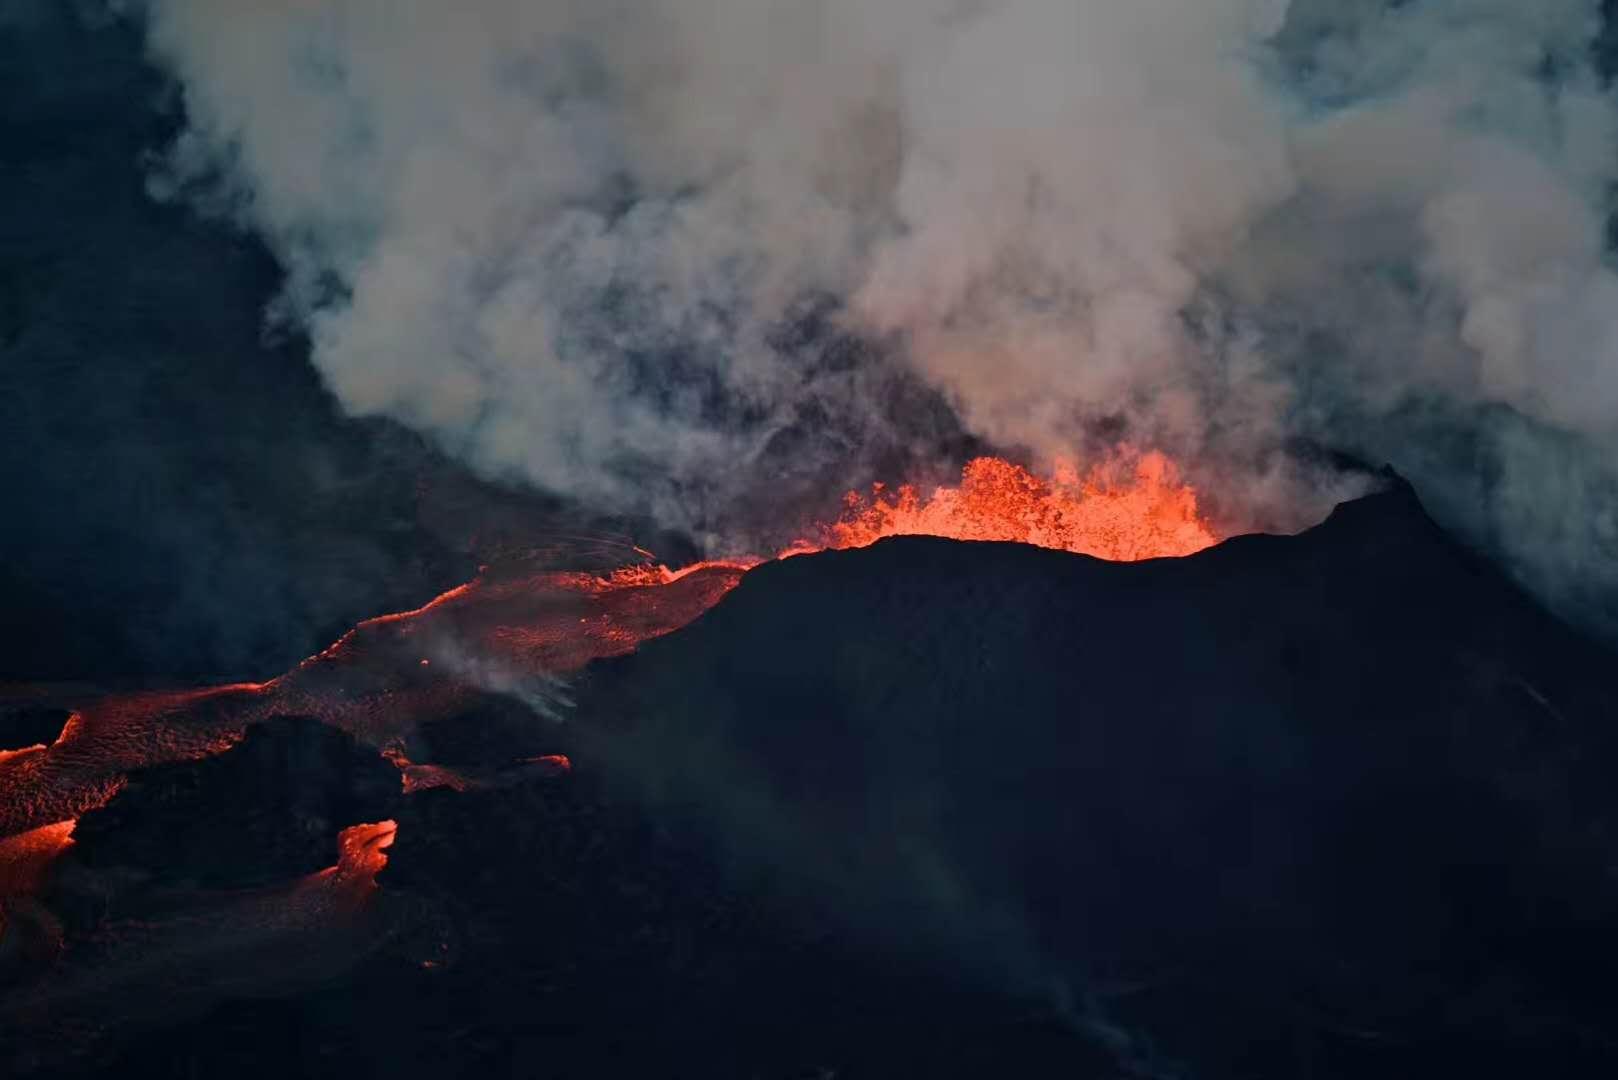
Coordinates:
(571, 239)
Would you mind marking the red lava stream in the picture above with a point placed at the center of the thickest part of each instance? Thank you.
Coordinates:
(518, 633)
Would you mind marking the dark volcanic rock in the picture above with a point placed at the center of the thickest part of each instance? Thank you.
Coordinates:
(1335, 805)
(29, 725)
(581, 936)
(266, 811)
(1339, 801)
(497, 732)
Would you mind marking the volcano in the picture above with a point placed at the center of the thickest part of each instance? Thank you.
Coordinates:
(1334, 804)
(432, 644)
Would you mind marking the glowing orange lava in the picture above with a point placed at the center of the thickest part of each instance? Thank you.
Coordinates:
(362, 852)
(520, 633)
(25, 857)
(513, 632)
(1135, 507)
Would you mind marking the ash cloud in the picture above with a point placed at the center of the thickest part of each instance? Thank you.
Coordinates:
(577, 242)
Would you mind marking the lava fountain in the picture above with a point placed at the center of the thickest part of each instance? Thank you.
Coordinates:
(1135, 507)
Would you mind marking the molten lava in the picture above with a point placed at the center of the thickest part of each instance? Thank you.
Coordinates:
(24, 857)
(516, 633)
(362, 852)
(519, 633)
(1136, 507)
(510, 634)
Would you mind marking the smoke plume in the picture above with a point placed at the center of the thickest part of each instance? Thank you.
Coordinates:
(656, 253)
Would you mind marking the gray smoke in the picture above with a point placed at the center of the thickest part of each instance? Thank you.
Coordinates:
(566, 238)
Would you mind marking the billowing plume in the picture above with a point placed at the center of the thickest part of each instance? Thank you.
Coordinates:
(629, 249)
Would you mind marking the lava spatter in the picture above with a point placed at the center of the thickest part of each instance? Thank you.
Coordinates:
(1135, 507)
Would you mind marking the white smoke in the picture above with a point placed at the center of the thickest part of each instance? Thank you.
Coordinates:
(562, 237)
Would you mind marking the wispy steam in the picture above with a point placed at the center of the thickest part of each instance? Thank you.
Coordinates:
(577, 241)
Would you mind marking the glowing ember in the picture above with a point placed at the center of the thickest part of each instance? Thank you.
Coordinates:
(551, 764)
(1137, 507)
(414, 778)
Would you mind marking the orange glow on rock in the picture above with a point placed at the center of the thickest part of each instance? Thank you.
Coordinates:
(104, 739)
(1134, 507)
(522, 632)
(25, 857)
(362, 851)
(493, 633)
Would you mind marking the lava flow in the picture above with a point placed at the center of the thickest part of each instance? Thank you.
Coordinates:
(518, 634)
(215, 945)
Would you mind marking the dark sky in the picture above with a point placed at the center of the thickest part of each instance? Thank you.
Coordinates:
(181, 497)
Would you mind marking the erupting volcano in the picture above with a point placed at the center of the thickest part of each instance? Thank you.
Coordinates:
(1134, 507)
(545, 748)
(514, 631)
(771, 539)
(517, 633)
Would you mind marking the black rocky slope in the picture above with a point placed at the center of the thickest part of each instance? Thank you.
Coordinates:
(1338, 802)
(1334, 805)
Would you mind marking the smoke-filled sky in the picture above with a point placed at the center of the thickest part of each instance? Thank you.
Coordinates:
(577, 241)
